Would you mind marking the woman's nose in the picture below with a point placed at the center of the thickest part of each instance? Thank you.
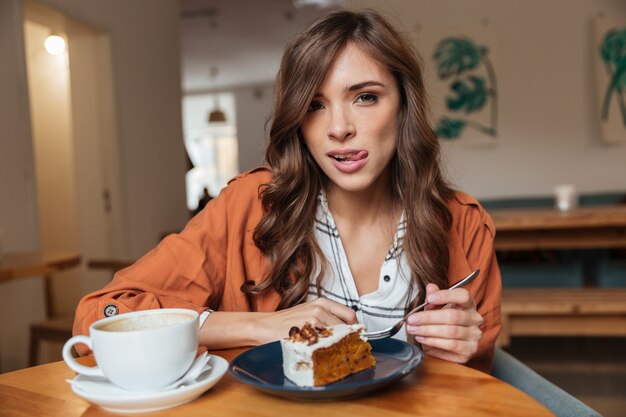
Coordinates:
(340, 126)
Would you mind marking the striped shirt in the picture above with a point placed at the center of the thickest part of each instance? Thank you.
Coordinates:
(379, 309)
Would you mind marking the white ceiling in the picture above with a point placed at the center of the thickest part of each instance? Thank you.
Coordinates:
(227, 43)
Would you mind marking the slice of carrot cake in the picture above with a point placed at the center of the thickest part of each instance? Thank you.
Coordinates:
(314, 356)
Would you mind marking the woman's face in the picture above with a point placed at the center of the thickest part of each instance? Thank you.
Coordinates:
(351, 128)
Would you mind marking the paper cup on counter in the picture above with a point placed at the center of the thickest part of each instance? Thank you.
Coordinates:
(565, 197)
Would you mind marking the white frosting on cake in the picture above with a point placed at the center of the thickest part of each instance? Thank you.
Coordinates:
(297, 356)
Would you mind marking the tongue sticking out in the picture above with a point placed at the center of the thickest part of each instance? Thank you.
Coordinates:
(357, 156)
(353, 157)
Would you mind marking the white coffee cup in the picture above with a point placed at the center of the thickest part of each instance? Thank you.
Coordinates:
(140, 351)
(566, 197)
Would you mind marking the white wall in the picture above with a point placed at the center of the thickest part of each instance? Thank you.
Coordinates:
(145, 54)
(146, 82)
(548, 123)
(145, 48)
(254, 107)
(18, 209)
(53, 147)
(50, 110)
(96, 149)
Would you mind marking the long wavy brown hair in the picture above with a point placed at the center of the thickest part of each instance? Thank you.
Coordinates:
(286, 233)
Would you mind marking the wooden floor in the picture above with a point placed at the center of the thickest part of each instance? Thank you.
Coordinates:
(591, 369)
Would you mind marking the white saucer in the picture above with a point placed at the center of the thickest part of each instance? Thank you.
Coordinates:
(118, 400)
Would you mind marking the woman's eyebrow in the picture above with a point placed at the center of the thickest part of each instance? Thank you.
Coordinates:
(364, 84)
(356, 87)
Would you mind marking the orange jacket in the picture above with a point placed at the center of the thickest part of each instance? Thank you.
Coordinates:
(206, 264)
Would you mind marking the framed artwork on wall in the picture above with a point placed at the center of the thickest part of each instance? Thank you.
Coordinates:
(610, 68)
(465, 91)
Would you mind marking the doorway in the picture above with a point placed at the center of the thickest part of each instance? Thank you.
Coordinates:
(75, 149)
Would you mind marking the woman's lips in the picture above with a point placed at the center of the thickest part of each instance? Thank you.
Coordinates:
(348, 160)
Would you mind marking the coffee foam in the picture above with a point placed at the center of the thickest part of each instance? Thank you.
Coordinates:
(145, 322)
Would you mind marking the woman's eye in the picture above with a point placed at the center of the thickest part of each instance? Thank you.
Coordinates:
(316, 105)
(367, 98)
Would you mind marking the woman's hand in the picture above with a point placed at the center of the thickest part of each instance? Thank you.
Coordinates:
(449, 327)
(320, 312)
(229, 329)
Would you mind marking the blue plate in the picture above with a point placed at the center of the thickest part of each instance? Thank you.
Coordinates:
(262, 368)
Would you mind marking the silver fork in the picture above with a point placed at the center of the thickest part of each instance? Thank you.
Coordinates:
(385, 333)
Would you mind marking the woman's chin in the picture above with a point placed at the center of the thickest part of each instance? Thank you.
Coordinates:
(353, 184)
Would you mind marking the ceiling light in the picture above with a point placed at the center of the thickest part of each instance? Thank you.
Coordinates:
(217, 116)
(55, 45)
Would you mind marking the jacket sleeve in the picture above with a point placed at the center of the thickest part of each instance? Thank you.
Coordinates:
(186, 270)
(475, 232)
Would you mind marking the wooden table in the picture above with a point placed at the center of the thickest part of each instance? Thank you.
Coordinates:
(24, 265)
(435, 388)
(110, 264)
(582, 228)
(21, 265)
(561, 311)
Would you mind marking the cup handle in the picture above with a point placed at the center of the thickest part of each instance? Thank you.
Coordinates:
(71, 362)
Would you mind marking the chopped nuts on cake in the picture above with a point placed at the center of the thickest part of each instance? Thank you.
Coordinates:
(308, 334)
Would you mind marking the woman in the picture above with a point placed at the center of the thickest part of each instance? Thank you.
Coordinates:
(350, 222)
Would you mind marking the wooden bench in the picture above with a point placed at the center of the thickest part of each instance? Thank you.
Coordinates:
(587, 311)
(562, 312)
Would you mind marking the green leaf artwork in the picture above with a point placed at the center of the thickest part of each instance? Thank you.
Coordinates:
(458, 59)
(457, 55)
(468, 97)
(449, 128)
(613, 53)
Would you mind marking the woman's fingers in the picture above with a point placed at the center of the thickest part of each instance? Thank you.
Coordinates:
(326, 313)
(459, 296)
(344, 313)
(322, 310)
(446, 332)
(445, 354)
(430, 290)
(319, 313)
(449, 328)
(455, 350)
(463, 311)
(451, 316)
